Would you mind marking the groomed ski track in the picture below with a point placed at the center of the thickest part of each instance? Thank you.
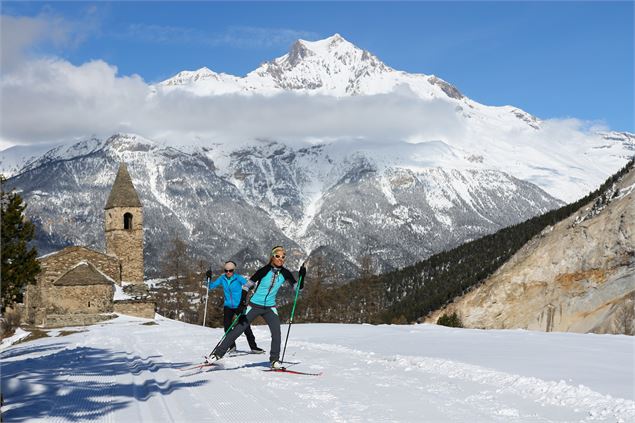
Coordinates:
(123, 371)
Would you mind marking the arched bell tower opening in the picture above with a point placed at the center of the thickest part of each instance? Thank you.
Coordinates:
(124, 226)
(127, 221)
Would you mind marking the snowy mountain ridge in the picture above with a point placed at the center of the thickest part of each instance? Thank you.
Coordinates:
(330, 67)
(563, 162)
(315, 200)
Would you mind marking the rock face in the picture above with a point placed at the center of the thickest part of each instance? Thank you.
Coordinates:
(576, 276)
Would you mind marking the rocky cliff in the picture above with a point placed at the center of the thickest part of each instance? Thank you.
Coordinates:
(576, 276)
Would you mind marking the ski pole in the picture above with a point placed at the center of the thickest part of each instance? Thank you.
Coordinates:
(206, 298)
(295, 300)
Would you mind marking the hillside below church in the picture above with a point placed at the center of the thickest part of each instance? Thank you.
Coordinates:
(575, 276)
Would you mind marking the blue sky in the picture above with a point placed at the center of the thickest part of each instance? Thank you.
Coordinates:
(552, 59)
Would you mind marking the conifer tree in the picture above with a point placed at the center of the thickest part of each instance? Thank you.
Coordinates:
(19, 264)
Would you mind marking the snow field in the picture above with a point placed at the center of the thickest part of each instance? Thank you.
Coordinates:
(122, 371)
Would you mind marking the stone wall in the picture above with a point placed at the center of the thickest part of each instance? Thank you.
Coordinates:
(41, 297)
(137, 308)
(127, 244)
(63, 320)
(87, 299)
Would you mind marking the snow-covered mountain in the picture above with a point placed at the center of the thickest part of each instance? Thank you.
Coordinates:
(395, 200)
(564, 163)
(238, 203)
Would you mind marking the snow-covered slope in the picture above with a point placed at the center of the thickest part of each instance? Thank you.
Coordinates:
(16, 158)
(369, 373)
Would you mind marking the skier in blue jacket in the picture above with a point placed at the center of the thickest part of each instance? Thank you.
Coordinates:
(267, 281)
(235, 296)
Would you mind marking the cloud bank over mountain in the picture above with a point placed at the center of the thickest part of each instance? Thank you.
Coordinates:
(50, 100)
(68, 102)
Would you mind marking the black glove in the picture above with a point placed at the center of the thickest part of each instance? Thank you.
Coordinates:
(302, 274)
(243, 303)
(208, 274)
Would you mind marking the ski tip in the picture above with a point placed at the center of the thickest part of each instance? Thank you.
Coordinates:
(294, 372)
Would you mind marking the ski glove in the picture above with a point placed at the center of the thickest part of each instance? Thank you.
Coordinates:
(243, 303)
(302, 274)
(208, 274)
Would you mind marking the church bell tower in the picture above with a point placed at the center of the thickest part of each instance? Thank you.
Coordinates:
(124, 226)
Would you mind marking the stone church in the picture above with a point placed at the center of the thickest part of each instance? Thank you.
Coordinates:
(80, 286)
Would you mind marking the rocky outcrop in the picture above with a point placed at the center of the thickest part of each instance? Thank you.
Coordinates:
(576, 276)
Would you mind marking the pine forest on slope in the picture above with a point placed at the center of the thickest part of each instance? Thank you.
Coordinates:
(408, 294)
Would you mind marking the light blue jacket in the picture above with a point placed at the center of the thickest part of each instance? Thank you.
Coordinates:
(232, 288)
(270, 279)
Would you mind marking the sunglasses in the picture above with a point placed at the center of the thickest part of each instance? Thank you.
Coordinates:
(228, 270)
(280, 257)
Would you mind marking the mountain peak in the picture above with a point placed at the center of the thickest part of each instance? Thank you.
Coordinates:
(333, 46)
(328, 44)
(191, 76)
(334, 51)
(331, 65)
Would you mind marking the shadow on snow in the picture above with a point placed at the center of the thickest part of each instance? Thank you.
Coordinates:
(80, 383)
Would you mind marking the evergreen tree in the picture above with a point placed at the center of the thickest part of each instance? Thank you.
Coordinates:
(19, 264)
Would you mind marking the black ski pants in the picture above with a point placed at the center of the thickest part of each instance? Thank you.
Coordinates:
(228, 317)
(270, 314)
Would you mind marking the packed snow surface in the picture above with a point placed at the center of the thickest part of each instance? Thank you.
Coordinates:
(127, 371)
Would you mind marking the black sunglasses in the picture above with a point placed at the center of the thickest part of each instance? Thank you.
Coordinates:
(280, 257)
(228, 270)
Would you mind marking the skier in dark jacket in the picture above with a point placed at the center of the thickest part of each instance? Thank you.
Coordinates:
(267, 281)
(233, 284)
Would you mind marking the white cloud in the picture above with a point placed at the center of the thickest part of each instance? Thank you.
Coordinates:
(23, 36)
(51, 99)
(17, 34)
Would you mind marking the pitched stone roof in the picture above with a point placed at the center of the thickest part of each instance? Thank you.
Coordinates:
(123, 193)
(72, 249)
(83, 274)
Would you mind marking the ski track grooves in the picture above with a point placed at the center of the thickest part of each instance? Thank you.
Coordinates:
(140, 386)
(546, 393)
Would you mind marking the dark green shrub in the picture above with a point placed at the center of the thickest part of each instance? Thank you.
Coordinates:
(452, 321)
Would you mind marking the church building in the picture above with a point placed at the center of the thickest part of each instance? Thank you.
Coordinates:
(80, 286)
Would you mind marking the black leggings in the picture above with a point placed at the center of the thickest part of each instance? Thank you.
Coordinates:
(270, 314)
(228, 318)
